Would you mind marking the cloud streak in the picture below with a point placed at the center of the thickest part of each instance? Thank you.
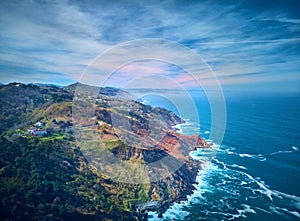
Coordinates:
(243, 43)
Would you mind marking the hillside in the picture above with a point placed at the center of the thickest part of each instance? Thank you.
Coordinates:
(50, 143)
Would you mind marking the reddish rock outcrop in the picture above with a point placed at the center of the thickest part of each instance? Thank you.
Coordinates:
(180, 145)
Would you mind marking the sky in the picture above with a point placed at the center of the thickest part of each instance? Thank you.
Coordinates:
(249, 45)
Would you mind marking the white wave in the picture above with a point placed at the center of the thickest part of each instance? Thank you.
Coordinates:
(229, 177)
(247, 209)
(195, 155)
(237, 166)
(207, 132)
(278, 209)
(230, 152)
(214, 146)
(294, 149)
(274, 210)
(242, 212)
(296, 199)
(281, 151)
(245, 155)
(263, 210)
(253, 156)
(295, 213)
(224, 166)
(188, 124)
(270, 193)
(169, 215)
(264, 190)
(261, 157)
(205, 153)
(176, 211)
(244, 183)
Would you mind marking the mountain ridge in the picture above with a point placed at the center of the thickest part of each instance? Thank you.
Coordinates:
(126, 129)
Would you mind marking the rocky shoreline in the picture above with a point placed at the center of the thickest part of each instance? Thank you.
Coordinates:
(144, 135)
(138, 135)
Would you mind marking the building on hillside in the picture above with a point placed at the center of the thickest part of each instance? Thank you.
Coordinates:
(40, 124)
(39, 133)
(31, 130)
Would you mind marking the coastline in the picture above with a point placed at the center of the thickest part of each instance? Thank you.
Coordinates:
(202, 171)
(175, 210)
(178, 127)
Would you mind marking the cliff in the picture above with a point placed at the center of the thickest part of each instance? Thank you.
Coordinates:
(137, 135)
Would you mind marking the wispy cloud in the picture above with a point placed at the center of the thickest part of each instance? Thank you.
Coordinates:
(244, 43)
(55, 38)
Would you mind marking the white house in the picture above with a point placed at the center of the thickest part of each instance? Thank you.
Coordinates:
(31, 130)
(40, 124)
(39, 133)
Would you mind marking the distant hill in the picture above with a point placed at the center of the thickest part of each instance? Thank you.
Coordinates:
(108, 91)
(20, 102)
(50, 85)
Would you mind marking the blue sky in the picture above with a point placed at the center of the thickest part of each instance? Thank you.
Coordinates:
(249, 45)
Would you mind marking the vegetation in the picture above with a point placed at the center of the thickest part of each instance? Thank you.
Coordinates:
(47, 177)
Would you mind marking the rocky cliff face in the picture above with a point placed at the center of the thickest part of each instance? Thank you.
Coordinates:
(104, 124)
(145, 136)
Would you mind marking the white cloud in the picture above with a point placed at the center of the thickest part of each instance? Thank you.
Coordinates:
(64, 37)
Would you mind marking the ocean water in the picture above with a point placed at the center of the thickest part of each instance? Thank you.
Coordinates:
(254, 174)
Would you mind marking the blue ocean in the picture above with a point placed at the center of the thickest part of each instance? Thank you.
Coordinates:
(254, 173)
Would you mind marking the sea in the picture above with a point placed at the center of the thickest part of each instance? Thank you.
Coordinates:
(254, 173)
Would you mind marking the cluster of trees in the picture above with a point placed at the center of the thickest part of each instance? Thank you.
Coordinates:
(48, 178)
(41, 180)
(21, 103)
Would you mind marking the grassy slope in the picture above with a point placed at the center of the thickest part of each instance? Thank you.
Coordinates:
(49, 177)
